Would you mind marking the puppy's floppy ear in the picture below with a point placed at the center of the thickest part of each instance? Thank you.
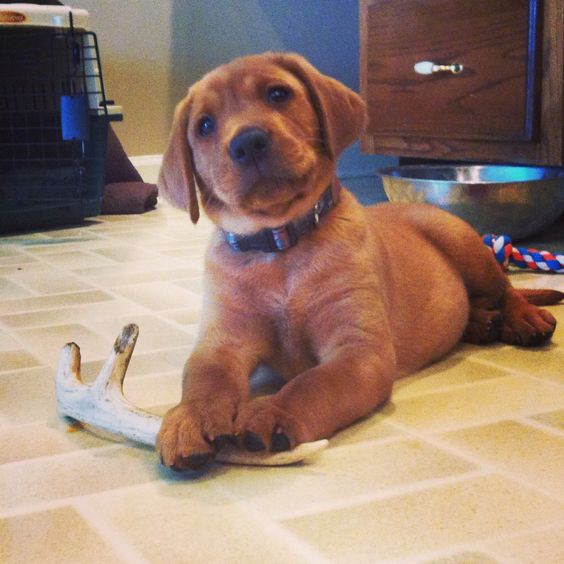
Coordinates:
(176, 178)
(341, 112)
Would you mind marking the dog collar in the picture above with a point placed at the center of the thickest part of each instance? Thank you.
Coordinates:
(282, 238)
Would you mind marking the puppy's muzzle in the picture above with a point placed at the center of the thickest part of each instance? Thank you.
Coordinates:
(250, 146)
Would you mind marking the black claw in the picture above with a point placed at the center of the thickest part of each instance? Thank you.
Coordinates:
(253, 443)
(196, 461)
(540, 338)
(222, 441)
(280, 442)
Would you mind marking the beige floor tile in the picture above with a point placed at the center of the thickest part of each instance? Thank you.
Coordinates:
(154, 333)
(55, 436)
(162, 268)
(32, 269)
(452, 371)
(496, 399)
(25, 239)
(127, 273)
(464, 558)
(150, 235)
(51, 282)
(14, 258)
(542, 547)
(113, 223)
(171, 273)
(12, 264)
(47, 342)
(124, 253)
(194, 523)
(156, 363)
(28, 395)
(342, 474)
(157, 295)
(546, 363)
(159, 362)
(27, 483)
(149, 391)
(374, 427)
(17, 359)
(7, 342)
(70, 244)
(192, 254)
(554, 419)
(184, 316)
(64, 245)
(525, 452)
(58, 536)
(73, 260)
(195, 284)
(67, 234)
(85, 312)
(467, 511)
(11, 291)
(52, 301)
(8, 250)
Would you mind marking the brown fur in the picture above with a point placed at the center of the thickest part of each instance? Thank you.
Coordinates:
(371, 295)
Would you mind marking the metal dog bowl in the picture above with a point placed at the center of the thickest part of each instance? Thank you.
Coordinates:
(507, 200)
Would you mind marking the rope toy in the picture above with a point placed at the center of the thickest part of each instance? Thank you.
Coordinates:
(505, 254)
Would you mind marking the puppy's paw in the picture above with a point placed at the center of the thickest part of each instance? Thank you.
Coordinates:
(262, 425)
(192, 432)
(484, 326)
(527, 326)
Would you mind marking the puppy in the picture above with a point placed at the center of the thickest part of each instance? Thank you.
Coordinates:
(339, 299)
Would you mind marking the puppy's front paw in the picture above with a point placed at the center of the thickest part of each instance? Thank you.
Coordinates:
(192, 432)
(262, 425)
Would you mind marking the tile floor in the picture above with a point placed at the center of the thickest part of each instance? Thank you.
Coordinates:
(466, 464)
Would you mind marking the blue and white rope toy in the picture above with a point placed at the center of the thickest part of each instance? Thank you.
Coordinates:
(506, 254)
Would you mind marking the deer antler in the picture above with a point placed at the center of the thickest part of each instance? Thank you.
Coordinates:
(103, 405)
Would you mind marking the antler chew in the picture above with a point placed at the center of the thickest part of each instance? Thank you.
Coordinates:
(103, 405)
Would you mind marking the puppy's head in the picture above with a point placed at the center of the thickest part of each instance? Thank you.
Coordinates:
(260, 136)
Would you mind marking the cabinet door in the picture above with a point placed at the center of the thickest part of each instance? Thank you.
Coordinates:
(492, 41)
(506, 103)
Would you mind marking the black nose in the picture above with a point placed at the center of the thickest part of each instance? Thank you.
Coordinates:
(249, 145)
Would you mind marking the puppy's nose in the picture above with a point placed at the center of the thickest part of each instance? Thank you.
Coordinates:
(249, 145)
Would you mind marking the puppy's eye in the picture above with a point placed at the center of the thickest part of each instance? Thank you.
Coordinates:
(206, 126)
(279, 94)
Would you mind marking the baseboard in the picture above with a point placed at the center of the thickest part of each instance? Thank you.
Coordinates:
(148, 166)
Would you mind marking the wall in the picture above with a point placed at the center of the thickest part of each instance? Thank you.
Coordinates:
(152, 51)
(135, 50)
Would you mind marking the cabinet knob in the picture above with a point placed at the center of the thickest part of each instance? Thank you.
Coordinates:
(428, 67)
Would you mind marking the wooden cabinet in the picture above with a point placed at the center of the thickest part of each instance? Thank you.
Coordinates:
(495, 93)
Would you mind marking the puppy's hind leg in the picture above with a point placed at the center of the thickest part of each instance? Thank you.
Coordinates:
(484, 322)
(497, 310)
(525, 324)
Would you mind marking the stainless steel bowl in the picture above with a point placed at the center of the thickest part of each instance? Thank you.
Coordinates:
(507, 200)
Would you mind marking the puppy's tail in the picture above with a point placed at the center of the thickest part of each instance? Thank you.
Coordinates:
(541, 297)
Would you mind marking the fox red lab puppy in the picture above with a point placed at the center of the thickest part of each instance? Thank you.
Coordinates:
(339, 299)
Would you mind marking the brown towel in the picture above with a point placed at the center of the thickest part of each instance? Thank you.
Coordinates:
(125, 192)
(129, 197)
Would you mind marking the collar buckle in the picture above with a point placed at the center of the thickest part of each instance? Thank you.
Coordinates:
(282, 238)
(317, 209)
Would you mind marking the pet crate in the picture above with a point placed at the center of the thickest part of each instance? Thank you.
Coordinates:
(54, 118)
